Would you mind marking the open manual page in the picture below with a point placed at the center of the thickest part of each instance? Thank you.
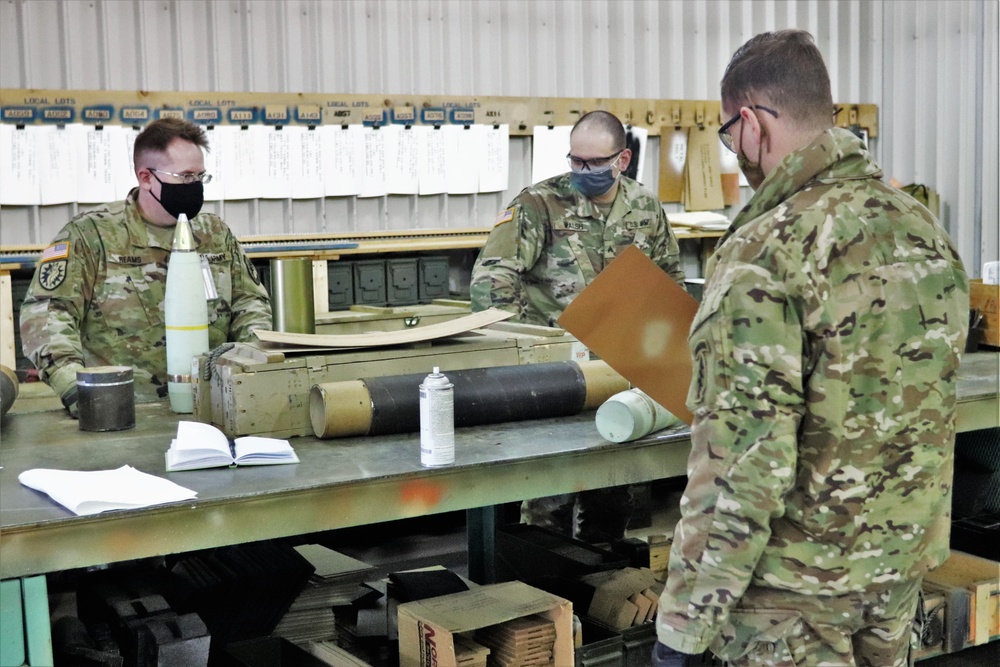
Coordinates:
(199, 445)
(91, 492)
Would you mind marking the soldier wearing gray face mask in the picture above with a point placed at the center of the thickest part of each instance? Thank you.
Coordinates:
(547, 246)
(97, 295)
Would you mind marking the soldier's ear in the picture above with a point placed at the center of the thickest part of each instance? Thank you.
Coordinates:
(145, 178)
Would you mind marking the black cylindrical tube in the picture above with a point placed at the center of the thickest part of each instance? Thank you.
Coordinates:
(482, 396)
(106, 398)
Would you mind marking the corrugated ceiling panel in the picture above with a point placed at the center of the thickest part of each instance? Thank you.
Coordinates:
(916, 59)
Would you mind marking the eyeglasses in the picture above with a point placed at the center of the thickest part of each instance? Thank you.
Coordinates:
(590, 164)
(727, 139)
(188, 178)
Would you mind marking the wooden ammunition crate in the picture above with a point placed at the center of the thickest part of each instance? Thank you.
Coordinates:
(258, 391)
(981, 577)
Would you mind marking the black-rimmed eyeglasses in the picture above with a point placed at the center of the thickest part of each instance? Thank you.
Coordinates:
(188, 178)
(726, 138)
(590, 164)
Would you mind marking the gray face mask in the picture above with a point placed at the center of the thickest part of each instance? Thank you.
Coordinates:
(595, 182)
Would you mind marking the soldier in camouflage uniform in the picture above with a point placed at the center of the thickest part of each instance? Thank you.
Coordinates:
(552, 241)
(97, 295)
(825, 354)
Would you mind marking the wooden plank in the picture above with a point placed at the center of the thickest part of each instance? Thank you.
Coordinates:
(380, 338)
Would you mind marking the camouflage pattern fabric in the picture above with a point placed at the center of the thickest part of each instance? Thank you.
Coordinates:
(825, 354)
(775, 628)
(96, 298)
(553, 241)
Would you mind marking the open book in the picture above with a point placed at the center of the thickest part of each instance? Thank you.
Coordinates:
(199, 445)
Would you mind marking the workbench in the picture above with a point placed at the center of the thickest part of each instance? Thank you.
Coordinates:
(339, 483)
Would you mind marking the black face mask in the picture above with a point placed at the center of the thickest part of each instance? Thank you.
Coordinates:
(177, 198)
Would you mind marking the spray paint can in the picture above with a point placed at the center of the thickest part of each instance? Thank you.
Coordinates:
(437, 420)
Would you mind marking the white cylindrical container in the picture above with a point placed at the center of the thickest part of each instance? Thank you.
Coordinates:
(631, 414)
(437, 420)
(186, 316)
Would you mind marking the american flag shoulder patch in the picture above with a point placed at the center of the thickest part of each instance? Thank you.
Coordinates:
(56, 251)
(505, 216)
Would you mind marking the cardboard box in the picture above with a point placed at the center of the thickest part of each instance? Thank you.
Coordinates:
(427, 628)
(981, 577)
(985, 298)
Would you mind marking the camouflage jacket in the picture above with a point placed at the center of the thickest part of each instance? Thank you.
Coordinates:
(825, 355)
(553, 241)
(96, 298)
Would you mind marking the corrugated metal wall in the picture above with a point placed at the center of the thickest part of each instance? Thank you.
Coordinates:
(930, 66)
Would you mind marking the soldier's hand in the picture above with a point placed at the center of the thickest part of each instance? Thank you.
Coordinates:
(664, 656)
(70, 402)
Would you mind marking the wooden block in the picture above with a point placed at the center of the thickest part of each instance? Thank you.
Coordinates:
(655, 603)
(642, 604)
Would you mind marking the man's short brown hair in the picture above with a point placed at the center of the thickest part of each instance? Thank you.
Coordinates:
(783, 69)
(605, 121)
(158, 135)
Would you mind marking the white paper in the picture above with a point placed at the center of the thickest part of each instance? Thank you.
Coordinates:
(276, 181)
(677, 152)
(122, 159)
(341, 159)
(642, 135)
(20, 180)
(431, 157)
(306, 156)
(92, 492)
(373, 171)
(219, 137)
(244, 153)
(57, 165)
(463, 155)
(494, 173)
(549, 148)
(402, 164)
(95, 176)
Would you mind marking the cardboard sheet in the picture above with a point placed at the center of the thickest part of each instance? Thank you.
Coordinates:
(453, 327)
(636, 318)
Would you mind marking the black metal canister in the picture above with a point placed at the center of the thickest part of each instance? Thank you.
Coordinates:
(106, 398)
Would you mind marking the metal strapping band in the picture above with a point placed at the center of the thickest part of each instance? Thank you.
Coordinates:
(179, 378)
(84, 383)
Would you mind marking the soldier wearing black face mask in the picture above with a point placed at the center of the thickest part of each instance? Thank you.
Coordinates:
(97, 295)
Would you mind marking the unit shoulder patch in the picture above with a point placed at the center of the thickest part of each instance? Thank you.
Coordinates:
(52, 274)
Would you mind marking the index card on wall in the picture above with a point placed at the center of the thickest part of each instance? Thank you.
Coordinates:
(495, 169)
(550, 145)
(95, 175)
(463, 153)
(20, 183)
(432, 157)
(57, 165)
(306, 160)
(402, 164)
(342, 151)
